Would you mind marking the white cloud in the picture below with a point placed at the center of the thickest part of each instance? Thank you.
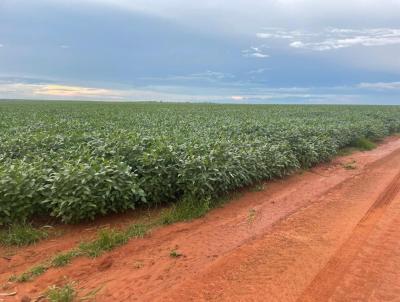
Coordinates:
(237, 97)
(74, 91)
(209, 74)
(63, 46)
(258, 55)
(257, 71)
(1, 45)
(255, 11)
(206, 76)
(270, 35)
(57, 91)
(161, 93)
(255, 52)
(381, 86)
(336, 38)
(297, 44)
(68, 92)
(281, 33)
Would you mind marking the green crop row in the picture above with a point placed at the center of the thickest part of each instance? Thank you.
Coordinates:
(76, 161)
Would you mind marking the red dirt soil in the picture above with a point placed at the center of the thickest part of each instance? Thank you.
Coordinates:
(326, 234)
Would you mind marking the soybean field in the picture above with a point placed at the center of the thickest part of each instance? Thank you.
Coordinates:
(75, 161)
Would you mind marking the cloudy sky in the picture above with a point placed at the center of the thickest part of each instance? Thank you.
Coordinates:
(256, 51)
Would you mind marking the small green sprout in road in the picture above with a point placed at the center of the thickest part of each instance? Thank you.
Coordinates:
(175, 253)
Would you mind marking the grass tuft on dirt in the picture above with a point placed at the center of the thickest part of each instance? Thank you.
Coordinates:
(107, 240)
(63, 259)
(137, 230)
(66, 293)
(29, 275)
(175, 253)
(185, 210)
(364, 144)
(360, 144)
(21, 235)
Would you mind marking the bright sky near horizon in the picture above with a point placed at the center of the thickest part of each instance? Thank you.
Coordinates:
(239, 51)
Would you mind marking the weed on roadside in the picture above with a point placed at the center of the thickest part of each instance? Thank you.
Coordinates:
(364, 144)
(66, 293)
(29, 275)
(185, 210)
(107, 240)
(63, 259)
(21, 235)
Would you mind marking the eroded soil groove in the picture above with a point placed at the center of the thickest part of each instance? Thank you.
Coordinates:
(325, 282)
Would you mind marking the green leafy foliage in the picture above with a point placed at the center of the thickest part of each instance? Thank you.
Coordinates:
(76, 161)
(83, 190)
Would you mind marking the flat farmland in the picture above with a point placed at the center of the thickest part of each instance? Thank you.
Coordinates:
(77, 161)
(198, 202)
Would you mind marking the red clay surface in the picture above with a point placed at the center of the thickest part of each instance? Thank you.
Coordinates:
(326, 234)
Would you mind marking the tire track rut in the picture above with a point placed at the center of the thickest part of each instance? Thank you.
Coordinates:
(325, 283)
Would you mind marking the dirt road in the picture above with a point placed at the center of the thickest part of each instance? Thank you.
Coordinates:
(332, 233)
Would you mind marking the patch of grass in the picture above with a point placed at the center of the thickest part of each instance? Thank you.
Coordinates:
(29, 275)
(66, 293)
(185, 210)
(360, 144)
(21, 235)
(107, 240)
(364, 144)
(137, 230)
(63, 259)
